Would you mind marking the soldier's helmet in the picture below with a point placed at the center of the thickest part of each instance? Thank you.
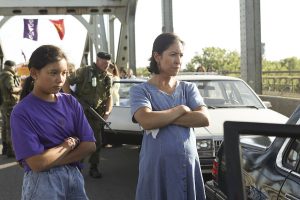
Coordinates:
(104, 55)
(9, 63)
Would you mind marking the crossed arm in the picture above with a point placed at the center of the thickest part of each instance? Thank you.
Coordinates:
(179, 115)
(62, 154)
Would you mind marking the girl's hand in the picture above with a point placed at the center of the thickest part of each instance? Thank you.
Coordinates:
(72, 142)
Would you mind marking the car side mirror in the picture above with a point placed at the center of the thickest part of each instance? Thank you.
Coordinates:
(268, 104)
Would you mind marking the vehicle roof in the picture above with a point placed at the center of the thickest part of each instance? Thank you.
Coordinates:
(132, 80)
(185, 77)
(191, 77)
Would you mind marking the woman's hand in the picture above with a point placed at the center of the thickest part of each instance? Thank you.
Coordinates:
(149, 119)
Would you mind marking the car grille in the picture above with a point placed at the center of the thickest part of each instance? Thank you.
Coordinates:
(217, 144)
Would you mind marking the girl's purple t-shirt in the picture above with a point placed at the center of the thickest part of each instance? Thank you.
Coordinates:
(37, 125)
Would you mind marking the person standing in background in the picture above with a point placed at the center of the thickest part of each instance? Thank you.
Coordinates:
(130, 74)
(10, 93)
(93, 91)
(168, 109)
(201, 68)
(113, 69)
(123, 73)
(50, 132)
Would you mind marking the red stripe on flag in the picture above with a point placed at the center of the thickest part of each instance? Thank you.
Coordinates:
(60, 27)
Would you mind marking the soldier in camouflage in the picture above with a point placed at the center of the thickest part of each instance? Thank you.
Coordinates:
(10, 93)
(93, 86)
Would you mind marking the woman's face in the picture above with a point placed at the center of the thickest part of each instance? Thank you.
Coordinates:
(169, 62)
(111, 70)
(51, 78)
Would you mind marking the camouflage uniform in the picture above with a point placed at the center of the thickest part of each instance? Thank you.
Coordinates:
(93, 89)
(8, 82)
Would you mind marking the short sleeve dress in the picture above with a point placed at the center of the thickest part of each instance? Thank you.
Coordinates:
(169, 166)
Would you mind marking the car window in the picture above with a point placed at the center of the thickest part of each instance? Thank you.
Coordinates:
(124, 92)
(261, 141)
(292, 155)
(227, 93)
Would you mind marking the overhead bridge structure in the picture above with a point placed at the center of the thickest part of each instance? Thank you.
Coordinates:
(123, 10)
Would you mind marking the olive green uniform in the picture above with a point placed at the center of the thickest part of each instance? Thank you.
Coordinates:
(8, 81)
(93, 89)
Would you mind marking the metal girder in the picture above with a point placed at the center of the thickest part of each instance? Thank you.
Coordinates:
(251, 58)
(60, 7)
(126, 55)
(124, 10)
(167, 16)
(3, 20)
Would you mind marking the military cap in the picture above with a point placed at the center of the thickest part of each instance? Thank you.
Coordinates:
(9, 63)
(104, 55)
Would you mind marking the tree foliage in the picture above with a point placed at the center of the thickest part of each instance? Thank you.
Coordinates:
(142, 72)
(220, 60)
(215, 59)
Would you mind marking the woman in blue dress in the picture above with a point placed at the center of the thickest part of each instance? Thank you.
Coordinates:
(167, 109)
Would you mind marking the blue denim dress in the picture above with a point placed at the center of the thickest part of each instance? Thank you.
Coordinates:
(169, 167)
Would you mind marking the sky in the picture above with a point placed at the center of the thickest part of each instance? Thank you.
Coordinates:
(199, 23)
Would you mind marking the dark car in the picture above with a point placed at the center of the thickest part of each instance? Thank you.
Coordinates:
(269, 165)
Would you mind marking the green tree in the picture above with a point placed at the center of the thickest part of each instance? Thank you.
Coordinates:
(142, 72)
(216, 59)
(272, 66)
(290, 64)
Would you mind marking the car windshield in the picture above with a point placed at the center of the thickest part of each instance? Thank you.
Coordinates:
(124, 91)
(227, 93)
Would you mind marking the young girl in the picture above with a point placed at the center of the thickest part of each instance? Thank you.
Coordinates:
(50, 132)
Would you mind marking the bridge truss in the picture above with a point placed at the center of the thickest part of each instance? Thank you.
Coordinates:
(123, 10)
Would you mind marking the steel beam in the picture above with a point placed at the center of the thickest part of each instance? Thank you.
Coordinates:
(59, 7)
(167, 16)
(251, 58)
(124, 10)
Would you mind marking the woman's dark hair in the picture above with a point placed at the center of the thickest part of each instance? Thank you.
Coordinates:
(42, 56)
(161, 43)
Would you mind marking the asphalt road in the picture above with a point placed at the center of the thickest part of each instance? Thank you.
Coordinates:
(119, 168)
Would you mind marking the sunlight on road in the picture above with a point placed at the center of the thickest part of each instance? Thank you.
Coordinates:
(6, 165)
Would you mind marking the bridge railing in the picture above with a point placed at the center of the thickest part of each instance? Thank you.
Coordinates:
(277, 82)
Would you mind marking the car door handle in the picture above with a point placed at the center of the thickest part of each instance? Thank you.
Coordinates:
(290, 197)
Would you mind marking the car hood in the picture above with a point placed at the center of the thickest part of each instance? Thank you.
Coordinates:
(219, 115)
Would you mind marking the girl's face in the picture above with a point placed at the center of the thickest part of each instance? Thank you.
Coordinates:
(51, 78)
(169, 62)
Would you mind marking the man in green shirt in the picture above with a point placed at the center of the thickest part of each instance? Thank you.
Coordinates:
(10, 89)
(93, 91)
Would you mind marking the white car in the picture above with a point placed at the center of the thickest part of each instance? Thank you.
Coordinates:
(227, 99)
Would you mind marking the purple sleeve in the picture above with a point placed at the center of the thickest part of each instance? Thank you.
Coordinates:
(25, 143)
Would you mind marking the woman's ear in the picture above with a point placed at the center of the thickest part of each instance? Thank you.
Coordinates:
(156, 56)
(33, 73)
